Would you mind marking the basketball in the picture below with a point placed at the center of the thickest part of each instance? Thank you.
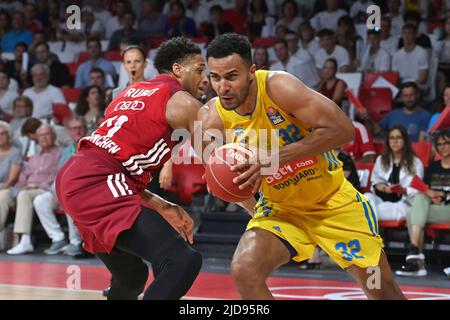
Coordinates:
(219, 176)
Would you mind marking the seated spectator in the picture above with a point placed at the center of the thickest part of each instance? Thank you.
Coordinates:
(396, 166)
(6, 97)
(443, 54)
(433, 206)
(127, 31)
(5, 23)
(31, 23)
(389, 39)
(91, 106)
(94, 48)
(348, 38)
(358, 11)
(330, 86)
(329, 49)
(14, 67)
(17, 34)
(119, 8)
(307, 68)
(261, 58)
(97, 77)
(177, 24)
(218, 25)
(375, 58)
(22, 110)
(411, 116)
(43, 94)
(395, 16)
(10, 166)
(59, 73)
(304, 70)
(135, 68)
(28, 141)
(197, 12)
(89, 26)
(258, 19)
(152, 21)
(411, 61)
(45, 203)
(328, 19)
(290, 15)
(308, 40)
(421, 39)
(34, 180)
(361, 149)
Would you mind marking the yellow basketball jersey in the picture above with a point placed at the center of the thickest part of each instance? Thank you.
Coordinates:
(302, 184)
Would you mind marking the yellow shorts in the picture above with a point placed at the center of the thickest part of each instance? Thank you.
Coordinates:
(345, 227)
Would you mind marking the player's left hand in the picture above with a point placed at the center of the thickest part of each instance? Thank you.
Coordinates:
(251, 172)
(180, 220)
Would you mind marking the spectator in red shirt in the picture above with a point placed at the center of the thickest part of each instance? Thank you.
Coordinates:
(361, 149)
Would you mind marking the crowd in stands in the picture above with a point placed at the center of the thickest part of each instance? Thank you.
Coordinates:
(321, 42)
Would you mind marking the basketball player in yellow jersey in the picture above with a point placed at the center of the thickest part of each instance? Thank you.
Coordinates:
(308, 202)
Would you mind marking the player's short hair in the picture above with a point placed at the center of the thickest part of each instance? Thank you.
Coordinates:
(229, 43)
(175, 50)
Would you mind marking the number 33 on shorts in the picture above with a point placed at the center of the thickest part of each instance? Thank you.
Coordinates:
(349, 250)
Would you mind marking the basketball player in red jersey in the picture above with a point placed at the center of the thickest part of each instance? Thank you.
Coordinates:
(102, 187)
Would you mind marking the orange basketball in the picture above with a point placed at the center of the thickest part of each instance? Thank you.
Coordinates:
(219, 176)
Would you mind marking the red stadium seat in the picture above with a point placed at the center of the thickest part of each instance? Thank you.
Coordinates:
(73, 66)
(187, 181)
(423, 151)
(433, 24)
(364, 173)
(71, 94)
(377, 101)
(200, 40)
(155, 42)
(370, 78)
(113, 56)
(62, 113)
(263, 42)
(392, 223)
(438, 226)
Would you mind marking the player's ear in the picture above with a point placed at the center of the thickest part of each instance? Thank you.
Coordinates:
(176, 69)
(252, 71)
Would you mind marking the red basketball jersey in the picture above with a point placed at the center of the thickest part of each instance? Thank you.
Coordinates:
(135, 130)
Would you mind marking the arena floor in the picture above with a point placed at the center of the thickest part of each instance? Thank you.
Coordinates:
(40, 277)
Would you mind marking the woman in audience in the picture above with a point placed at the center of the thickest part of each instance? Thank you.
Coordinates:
(308, 39)
(261, 58)
(348, 38)
(258, 19)
(332, 87)
(91, 106)
(290, 15)
(22, 110)
(10, 166)
(6, 97)
(391, 176)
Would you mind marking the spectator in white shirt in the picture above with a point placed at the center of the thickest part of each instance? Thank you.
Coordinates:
(389, 41)
(100, 13)
(375, 58)
(308, 40)
(306, 69)
(199, 13)
(6, 96)
(411, 62)
(329, 49)
(43, 94)
(115, 23)
(328, 19)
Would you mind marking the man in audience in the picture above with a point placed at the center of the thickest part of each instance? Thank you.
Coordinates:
(17, 34)
(45, 203)
(43, 94)
(375, 58)
(329, 49)
(328, 19)
(59, 73)
(395, 16)
(411, 61)
(97, 77)
(14, 68)
(36, 177)
(411, 116)
(412, 17)
(389, 40)
(127, 31)
(94, 48)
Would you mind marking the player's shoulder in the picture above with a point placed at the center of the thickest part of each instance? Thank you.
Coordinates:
(281, 84)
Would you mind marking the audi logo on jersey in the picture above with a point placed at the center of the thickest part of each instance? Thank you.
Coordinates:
(129, 105)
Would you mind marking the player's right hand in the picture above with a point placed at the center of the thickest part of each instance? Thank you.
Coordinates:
(180, 220)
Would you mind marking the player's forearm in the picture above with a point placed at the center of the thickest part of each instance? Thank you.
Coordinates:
(321, 140)
(154, 200)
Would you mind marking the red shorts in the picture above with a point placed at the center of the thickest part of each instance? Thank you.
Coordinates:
(94, 189)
